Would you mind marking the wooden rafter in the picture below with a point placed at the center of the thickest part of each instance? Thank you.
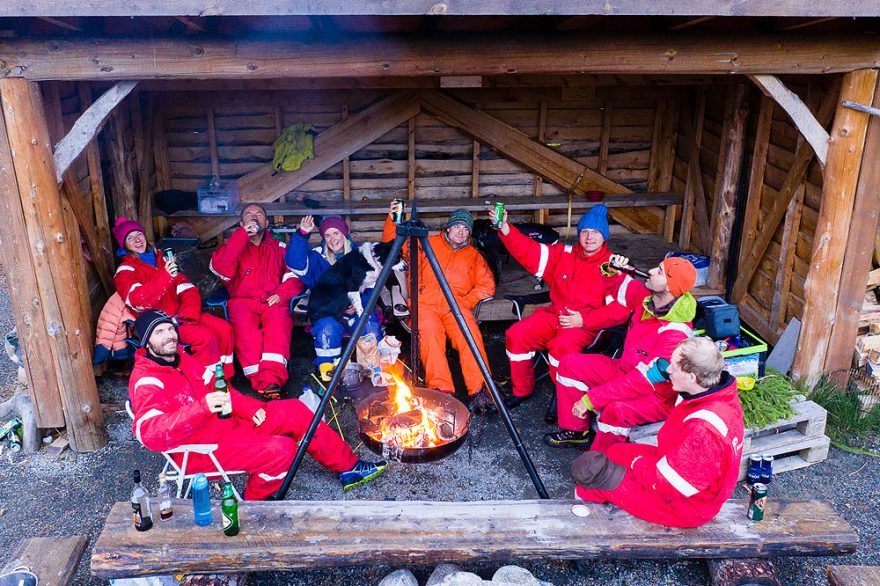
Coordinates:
(421, 56)
(800, 114)
(88, 126)
(564, 172)
(331, 146)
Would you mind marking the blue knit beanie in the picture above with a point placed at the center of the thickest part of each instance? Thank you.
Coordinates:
(463, 217)
(595, 219)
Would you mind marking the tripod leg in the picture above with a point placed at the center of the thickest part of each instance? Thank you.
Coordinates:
(484, 368)
(337, 375)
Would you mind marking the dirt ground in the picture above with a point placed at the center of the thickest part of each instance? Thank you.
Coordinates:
(42, 496)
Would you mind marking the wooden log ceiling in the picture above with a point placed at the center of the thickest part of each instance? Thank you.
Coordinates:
(509, 54)
(202, 8)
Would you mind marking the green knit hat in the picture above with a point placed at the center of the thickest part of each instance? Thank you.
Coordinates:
(461, 216)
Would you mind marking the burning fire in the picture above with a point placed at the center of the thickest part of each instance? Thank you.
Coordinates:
(407, 422)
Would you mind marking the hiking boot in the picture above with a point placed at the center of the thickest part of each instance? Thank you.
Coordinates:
(566, 438)
(514, 401)
(481, 403)
(361, 473)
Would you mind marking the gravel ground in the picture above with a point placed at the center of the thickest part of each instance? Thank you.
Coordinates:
(72, 494)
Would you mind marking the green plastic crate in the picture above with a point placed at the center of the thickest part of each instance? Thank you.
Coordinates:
(745, 361)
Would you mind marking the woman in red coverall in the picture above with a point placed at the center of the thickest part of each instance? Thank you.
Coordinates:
(145, 281)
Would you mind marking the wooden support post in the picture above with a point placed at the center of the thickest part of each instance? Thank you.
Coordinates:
(475, 165)
(662, 155)
(212, 144)
(163, 166)
(146, 164)
(346, 173)
(540, 214)
(694, 208)
(748, 263)
(859, 247)
(756, 176)
(50, 249)
(835, 216)
(122, 172)
(96, 182)
(24, 296)
(411, 158)
(605, 137)
(786, 259)
(727, 183)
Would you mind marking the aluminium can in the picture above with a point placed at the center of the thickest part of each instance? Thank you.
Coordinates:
(499, 214)
(758, 501)
(767, 469)
(397, 217)
(754, 472)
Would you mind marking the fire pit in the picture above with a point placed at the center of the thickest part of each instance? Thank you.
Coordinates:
(418, 425)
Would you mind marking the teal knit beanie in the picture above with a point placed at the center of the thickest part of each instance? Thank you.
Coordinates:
(461, 216)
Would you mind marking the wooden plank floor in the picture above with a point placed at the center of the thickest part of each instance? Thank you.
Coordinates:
(308, 534)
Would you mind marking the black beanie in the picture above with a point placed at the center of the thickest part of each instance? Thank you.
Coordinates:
(147, 322)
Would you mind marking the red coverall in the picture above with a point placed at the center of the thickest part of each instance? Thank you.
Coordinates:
(471, 281)
(170, 410)
(619, 389)
(262, 332)
(685, 479)
(144, 287)
(577, 283)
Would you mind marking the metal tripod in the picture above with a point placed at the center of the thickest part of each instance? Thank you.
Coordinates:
(414, 230)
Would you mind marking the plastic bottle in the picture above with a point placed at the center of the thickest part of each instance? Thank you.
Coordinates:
(201, 501)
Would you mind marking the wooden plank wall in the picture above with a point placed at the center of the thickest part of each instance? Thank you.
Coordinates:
(246, 124)
(776, 291)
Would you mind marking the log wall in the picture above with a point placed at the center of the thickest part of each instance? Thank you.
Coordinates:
(604, 127)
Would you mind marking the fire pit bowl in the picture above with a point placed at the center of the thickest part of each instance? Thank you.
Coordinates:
(425, 426)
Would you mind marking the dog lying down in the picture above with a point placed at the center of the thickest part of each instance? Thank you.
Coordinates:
(486, 240)
(343, 284)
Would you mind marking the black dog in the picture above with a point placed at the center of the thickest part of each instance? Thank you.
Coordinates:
(486, 240)
(341, 286)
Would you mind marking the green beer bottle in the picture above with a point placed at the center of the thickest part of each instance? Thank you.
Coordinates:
(230, 511)
(221, 386)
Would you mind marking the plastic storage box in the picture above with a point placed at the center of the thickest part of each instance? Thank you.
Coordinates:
(219, 197)
(745, 360)
(720, 319)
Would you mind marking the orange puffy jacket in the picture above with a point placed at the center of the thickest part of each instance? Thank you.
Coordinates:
(111, 331)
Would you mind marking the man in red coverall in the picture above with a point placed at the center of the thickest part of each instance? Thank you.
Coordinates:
(684, 480)
(619, 389)
(251, 265)
(173, 406)
(580, 298)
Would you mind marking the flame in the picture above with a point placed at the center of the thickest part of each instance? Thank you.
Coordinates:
(422, 433)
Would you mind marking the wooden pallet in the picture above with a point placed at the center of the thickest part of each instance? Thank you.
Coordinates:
(794, 443)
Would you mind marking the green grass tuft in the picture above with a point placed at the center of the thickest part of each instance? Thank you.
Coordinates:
(847, 423)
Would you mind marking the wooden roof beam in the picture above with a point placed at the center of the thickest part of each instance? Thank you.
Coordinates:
(60, 24)
(88, 126)
(800, 114)
(430, 56)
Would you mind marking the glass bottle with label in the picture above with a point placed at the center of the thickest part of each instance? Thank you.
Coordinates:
(164, 497)
(221, 386)
(140, 505)
(229, 507)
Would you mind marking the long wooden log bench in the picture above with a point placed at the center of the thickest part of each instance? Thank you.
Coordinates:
(311, 534)
(52, 559)
(518, 203)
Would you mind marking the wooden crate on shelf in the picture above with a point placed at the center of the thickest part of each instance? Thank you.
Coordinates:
(794, 443)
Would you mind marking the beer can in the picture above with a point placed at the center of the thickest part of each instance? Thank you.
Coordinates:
(397, 217)
(169, 254)
(499, 215)
(758, 502)
(754, 473)
(14, 444)
(767, 469)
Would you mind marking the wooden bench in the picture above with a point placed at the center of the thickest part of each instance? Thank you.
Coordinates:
(853, 575)
(52, 559)
(310, 534)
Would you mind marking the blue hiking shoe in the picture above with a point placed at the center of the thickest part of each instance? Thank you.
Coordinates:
(361, 473)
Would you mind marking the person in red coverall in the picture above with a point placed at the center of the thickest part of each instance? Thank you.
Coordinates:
(145, 280)
(684, 480)
(580, 298)
(251, 265)
(471, 281)
(173, 405)
(619, 389)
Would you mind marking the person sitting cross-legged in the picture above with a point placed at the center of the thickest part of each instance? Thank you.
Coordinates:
(619, 390)
(173, 405)
(684, 480)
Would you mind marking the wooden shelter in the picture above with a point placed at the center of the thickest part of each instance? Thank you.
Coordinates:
(682, 113)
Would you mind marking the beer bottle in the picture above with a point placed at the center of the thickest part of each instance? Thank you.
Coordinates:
(221, 386)
(229, 507)
(164, 497)
(140, 505)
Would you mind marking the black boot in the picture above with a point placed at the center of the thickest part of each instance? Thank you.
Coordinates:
(566, 438)
(513, 401)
